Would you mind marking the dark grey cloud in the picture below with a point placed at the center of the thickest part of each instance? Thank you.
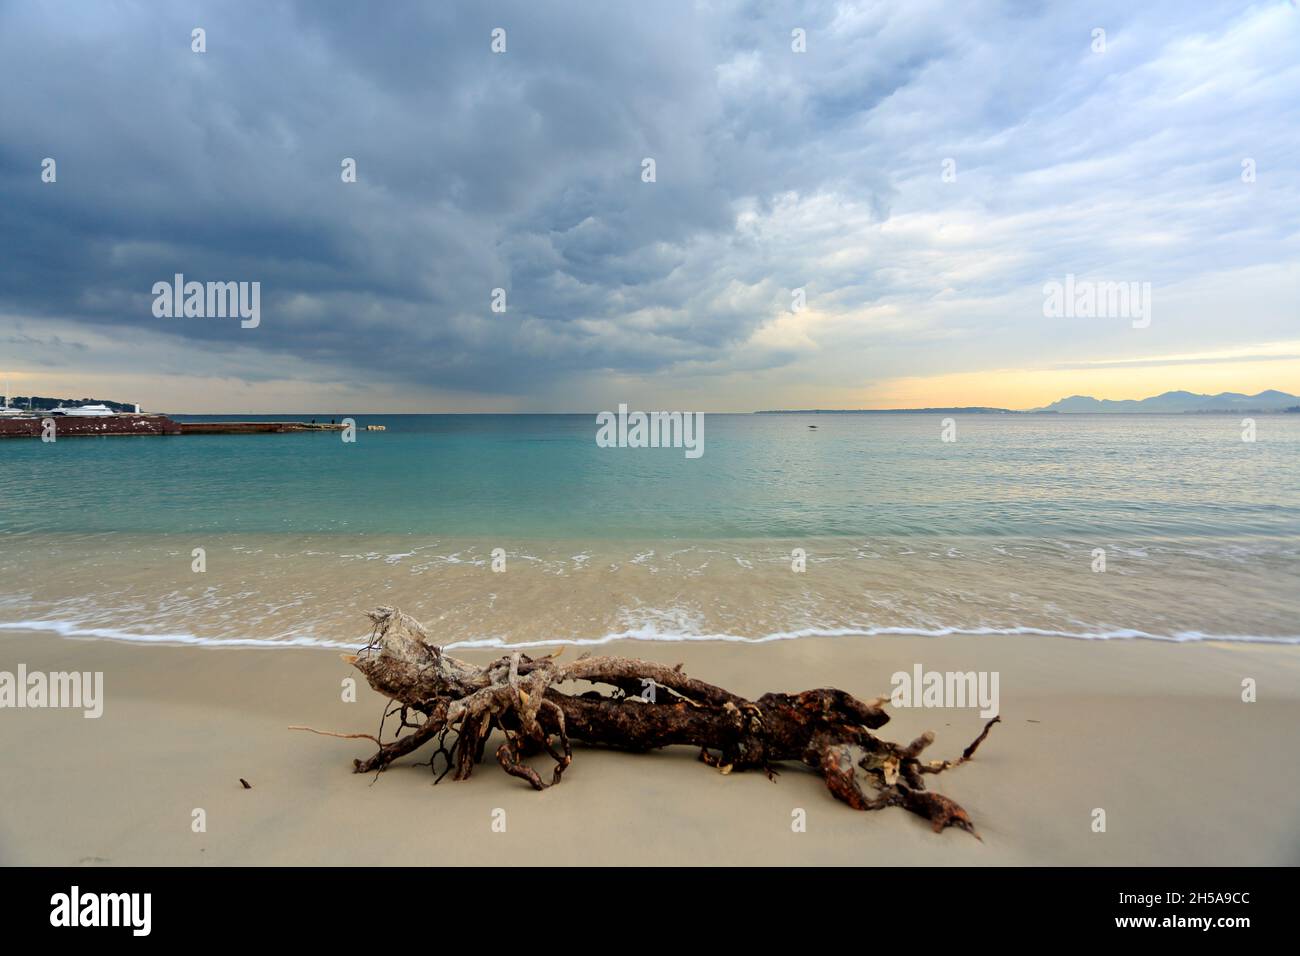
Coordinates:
(522, 171)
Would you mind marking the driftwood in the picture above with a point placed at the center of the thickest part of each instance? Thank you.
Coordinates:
(437, 696)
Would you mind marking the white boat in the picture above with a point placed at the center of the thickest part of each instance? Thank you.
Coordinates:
(83, 411)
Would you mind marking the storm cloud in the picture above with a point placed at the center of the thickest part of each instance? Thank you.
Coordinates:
(776, 170)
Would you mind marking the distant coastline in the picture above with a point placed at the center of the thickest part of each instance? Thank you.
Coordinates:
(1169, 403)
(43, 404)
(961, 410)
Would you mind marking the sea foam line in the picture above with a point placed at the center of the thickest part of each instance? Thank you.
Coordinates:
(72, 629)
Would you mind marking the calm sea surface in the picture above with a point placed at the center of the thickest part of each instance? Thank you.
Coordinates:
(901, 532)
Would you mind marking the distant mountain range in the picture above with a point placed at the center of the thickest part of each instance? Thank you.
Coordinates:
(1168, 403)
(1267, 401)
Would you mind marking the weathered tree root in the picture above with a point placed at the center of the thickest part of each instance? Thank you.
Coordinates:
(652, 706)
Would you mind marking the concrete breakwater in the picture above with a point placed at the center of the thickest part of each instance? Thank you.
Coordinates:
(72, 426)
(253, 428)
(65, 426)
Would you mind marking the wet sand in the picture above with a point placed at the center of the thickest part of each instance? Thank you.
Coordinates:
(1153, 733)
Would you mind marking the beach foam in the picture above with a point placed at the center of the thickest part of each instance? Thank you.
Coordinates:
(74, 629)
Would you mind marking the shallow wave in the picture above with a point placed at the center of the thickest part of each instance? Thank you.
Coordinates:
(74, 629)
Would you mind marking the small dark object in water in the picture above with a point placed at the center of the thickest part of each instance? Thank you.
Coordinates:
(247, 785)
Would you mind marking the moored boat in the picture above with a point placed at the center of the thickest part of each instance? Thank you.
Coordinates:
(82, 411)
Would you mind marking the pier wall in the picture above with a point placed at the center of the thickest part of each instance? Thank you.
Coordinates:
(71, 426)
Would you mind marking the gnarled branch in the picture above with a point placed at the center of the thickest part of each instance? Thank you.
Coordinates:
(653, 706)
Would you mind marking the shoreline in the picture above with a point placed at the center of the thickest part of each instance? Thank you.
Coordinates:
(74, 631)
(304, 589)
(1138, 728)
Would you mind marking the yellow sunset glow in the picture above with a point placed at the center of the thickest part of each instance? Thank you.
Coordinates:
(1011, 388)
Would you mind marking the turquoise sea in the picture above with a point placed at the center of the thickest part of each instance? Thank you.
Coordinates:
(992, 532)
(542, 476)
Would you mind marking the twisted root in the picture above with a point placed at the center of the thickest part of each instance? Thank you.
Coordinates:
(649, 706)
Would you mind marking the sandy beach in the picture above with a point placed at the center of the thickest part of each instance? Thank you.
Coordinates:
(1156, 734)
